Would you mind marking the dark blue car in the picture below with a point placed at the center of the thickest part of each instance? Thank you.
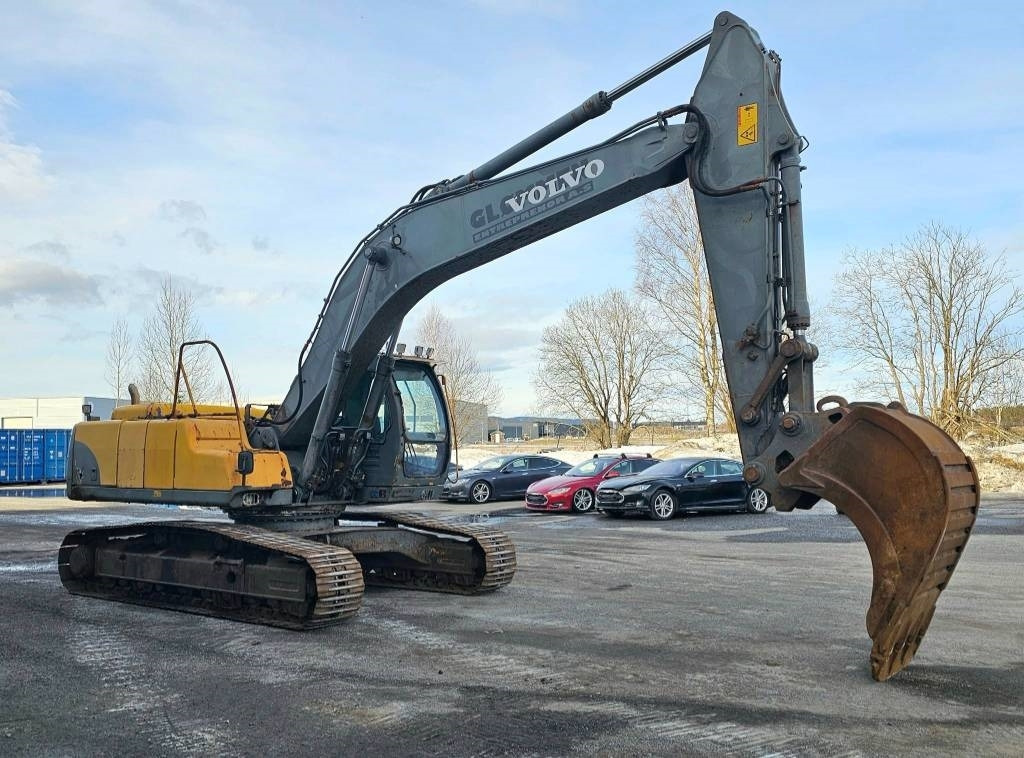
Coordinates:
(501, 477)
(682, 484)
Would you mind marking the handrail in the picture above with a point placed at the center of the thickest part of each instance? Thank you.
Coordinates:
(180, 373)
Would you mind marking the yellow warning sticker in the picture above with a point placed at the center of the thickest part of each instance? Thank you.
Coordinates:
(746, 125)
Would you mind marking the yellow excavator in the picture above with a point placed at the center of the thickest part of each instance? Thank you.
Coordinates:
(365, 423)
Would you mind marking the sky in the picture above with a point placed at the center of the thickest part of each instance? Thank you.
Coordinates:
(244, 148)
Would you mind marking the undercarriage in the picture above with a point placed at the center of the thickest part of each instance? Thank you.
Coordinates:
(298, 580)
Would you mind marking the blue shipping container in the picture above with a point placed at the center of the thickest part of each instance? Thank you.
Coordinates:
(57, 444)
(33, 455)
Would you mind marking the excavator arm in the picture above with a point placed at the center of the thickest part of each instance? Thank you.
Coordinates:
(905, 484)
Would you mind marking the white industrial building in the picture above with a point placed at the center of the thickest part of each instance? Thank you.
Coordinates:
(52, 412)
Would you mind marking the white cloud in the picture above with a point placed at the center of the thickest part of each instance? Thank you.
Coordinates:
(21, 171)
(50, 249)
(187, 211)
(201, 239)
(26, 280)
(22, 175)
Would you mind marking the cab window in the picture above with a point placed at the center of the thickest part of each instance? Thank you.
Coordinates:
(425, 419)
(426, 423)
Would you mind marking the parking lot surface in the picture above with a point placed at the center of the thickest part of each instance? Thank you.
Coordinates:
(709, 635)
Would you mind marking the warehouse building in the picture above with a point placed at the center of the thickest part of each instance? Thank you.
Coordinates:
(532, 427)
(53, 412)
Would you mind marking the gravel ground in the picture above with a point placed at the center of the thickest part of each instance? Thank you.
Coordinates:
(713, 635)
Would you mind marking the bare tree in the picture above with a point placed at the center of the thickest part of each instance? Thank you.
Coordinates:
(933, 321)
(120, 358)
(671, 274)
(1005, 391)
(466, 383)
(173, 321)
(604, 364)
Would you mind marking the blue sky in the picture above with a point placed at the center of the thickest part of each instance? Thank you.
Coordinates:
(245, 148)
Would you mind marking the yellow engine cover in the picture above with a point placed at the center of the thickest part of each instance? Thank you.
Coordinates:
(142, 458)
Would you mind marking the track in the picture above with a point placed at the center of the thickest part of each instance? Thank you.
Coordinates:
(247, 573)
(242, 573)
(495, 569)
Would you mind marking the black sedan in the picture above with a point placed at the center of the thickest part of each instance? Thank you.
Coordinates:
(503, 476)
(682, 484)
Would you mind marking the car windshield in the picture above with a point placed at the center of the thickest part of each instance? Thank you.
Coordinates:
(590, 467)
(493, 464)
(665, 468)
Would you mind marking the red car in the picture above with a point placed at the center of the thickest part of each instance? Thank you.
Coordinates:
(574, 490)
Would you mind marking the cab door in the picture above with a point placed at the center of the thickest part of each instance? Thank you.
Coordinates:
(410, 428)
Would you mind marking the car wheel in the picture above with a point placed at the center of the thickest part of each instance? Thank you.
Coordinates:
(583, 500)
(758, 500)
(663, 505)
(480, 492)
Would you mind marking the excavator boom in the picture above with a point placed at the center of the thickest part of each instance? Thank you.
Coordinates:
(362, 425)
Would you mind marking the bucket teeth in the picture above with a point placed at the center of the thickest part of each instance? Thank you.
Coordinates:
(913, 495)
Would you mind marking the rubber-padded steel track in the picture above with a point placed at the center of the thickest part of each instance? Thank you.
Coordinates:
(230, 571)
(499, 556)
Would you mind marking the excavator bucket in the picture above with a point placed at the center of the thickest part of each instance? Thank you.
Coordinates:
(913, 495)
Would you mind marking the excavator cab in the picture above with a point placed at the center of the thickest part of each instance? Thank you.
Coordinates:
(410, 444)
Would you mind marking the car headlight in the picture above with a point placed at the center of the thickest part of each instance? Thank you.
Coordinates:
(559, 490)
(633, 489)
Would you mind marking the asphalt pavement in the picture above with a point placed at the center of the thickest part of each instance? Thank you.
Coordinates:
(707, 635)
